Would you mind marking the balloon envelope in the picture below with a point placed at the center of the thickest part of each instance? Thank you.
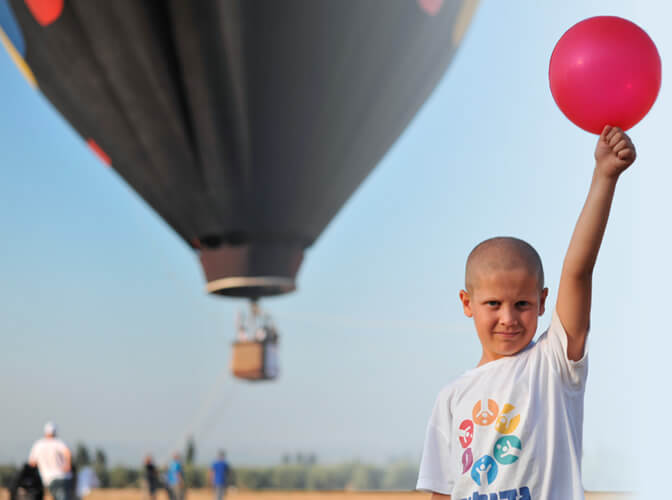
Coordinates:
(605, 70)
(245, 124)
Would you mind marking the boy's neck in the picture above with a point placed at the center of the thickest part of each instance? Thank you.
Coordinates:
(489, 358)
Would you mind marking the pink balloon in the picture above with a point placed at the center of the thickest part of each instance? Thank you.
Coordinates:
(605, 70)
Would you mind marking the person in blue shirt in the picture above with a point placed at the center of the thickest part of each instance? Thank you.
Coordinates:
(176, 483)
(219, 475)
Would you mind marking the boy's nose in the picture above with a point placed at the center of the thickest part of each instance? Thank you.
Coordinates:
(508, 317)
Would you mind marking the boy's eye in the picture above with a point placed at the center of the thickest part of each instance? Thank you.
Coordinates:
(492, 303)
(522, 303)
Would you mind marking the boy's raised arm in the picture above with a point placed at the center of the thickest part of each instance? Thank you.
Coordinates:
(613, 154)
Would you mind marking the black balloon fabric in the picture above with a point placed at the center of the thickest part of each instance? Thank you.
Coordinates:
(245, 124)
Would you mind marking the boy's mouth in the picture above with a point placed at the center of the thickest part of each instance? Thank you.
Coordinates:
(508, 335)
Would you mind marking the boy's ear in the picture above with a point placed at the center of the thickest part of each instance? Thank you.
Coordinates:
(542, 301)
(466, 303)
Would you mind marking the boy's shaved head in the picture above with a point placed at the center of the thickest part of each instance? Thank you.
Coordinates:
(502, 253)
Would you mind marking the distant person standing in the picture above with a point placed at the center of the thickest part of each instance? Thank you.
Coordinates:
(87, 480)
(176, 484)
(151, 478)
(53, 459)
(219, 475)
(27, 485)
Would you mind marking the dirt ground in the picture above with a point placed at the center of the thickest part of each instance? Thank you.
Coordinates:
(204, 494)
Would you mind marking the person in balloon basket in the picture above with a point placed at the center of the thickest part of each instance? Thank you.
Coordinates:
(511, 428)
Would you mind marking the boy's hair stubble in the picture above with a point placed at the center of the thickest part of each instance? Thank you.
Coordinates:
(502, 253)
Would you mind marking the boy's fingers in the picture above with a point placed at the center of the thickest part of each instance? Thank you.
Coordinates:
(622, 144)
(605, 131)
(615, 131)
(615, 136)
(626, 154)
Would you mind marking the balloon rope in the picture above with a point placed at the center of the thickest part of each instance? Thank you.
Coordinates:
(347, 321)
(193, 429)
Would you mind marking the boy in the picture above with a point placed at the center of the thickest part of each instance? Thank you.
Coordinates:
(511, 428)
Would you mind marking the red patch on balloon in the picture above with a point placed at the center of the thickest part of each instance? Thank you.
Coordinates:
(45, 12)
(431, 7)
(99, 152)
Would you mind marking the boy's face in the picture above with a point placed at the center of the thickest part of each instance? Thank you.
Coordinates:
(505, 305)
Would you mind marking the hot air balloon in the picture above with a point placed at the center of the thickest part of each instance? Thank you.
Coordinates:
(245, 124)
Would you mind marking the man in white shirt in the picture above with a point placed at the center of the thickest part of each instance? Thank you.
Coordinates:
(52, 458)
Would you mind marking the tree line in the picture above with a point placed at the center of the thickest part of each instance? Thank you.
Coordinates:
(298, 472)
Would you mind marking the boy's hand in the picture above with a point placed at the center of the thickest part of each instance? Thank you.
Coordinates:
(614, 152)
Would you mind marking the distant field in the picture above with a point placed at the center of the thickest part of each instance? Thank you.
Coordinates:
(134, 494)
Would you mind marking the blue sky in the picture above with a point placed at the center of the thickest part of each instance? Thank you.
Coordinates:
(106, 329)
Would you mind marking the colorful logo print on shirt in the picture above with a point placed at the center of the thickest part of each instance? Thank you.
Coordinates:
(506, 449)
(507, 421)
(467, 460)
(484, 470)
(466, 433)
(485, 412)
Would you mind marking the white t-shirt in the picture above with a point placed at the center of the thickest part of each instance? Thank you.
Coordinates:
(510, 429)
(50, 455)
